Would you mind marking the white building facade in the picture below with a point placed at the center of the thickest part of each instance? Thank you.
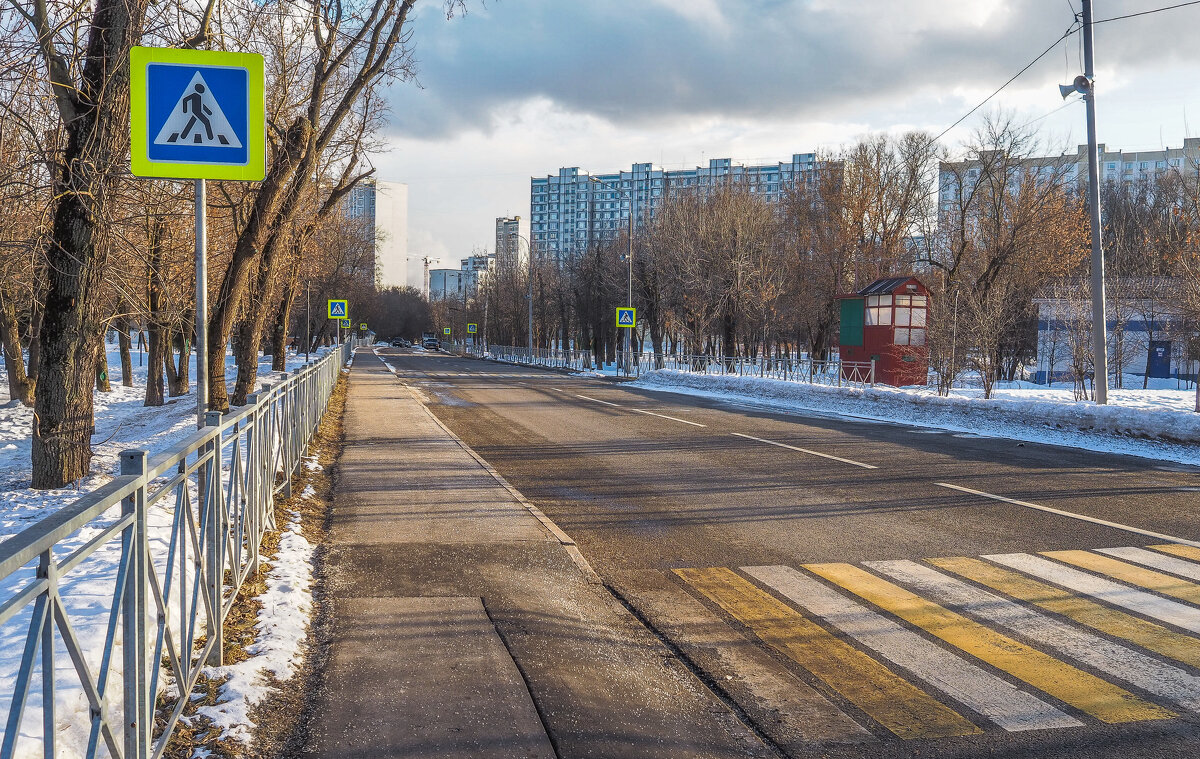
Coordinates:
(573, 210)
(385, 205)
(512, 241)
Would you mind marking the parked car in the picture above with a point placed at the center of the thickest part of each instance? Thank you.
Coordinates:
(398, 343)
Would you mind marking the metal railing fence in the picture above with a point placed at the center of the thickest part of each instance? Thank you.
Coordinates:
(553, 358)
(134, 580)
(832, 372)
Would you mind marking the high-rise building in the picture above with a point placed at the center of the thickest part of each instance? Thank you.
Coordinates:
(512, 241)
(385, 205)
(1071, 169)
(573, 210)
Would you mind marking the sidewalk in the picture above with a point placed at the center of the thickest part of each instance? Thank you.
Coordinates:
(465, 624)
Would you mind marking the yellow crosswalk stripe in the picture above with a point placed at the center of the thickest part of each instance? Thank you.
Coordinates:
(1082, 690)
(1148, 635)
(887, 698)
(1182, 551)
(1159, 582)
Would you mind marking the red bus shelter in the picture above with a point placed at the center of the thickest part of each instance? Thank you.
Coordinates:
(886, 322)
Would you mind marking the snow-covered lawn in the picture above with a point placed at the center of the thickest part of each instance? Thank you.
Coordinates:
(122, 422)
(1157, 423)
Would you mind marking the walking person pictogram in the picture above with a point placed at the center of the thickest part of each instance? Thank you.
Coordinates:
(194, 103)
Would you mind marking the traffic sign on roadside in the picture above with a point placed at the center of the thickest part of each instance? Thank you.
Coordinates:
(626, 317)
(345, 323)
(472, 329)
(362, 326)
(445, 330)
(339, 309)
(196, 114)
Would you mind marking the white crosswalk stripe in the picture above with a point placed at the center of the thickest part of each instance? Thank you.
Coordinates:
(1139, 601)
(998, 700)
(1156, 560)
(1134, 667)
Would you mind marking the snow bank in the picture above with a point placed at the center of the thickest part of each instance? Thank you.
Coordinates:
(282, 625)
(1155, 423)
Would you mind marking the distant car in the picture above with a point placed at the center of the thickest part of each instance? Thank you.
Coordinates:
(398, 343)
(431, 343)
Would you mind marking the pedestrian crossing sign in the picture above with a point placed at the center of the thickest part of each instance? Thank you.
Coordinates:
(472, 329)
(339, 309)
(345, 323)
(627, 317)
(196, 114)
(362, 326)
(445, 330)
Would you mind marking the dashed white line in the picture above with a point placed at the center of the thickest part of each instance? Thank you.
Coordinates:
(597, 400)
(1072, 515)
(664, 416)
(806, 450)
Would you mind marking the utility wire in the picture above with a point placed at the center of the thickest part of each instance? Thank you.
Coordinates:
(1146, 13)
(1071, 30)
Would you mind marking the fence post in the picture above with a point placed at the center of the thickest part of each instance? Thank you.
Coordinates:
(214, 547)
(872, 372)
(133, 613)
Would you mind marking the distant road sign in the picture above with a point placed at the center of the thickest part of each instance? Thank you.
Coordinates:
(345, 323)
(196, 114)
(472, 328)
(445, 330)
(339, 309)
(362, 325)
(626, 317)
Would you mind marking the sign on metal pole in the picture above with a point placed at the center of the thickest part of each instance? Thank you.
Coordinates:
(345, 323)
(626, 317)
(197, 114)
(472, 329)
(362, 326)
(445, 330)
(339, 309)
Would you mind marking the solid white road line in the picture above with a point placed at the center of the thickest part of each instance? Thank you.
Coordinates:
(1139, 601)
(806, 450)
(998, 700)
(1134, 667)
(597, 400)
(1072, 515)
(1188, 569)
(664, 416)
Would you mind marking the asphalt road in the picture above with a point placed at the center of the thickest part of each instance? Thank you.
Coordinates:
(650, 482)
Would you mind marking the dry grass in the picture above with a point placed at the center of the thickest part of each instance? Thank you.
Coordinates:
(277, 716)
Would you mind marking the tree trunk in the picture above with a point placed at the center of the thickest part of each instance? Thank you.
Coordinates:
(179, 358)
(251, 329)
(283, 315)
(95, 114)
(102, 383)
(20, 387)
(122, 325)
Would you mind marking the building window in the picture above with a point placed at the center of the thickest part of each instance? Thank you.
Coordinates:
(879, 310)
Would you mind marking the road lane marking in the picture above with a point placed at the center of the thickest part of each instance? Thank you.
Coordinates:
(893, 702)
(1131, 574)
(1071, 514)
(1082, 690)
(1186, 552)
(806, 450)
(1105, 656)
(1156, 560)
(664, 416)
(1146, 604)
(597, 400)
(1118, 624)
(998, 700)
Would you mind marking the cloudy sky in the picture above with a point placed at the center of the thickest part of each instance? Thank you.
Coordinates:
(518, 88)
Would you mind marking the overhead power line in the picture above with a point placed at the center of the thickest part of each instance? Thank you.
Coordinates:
(1146, 13)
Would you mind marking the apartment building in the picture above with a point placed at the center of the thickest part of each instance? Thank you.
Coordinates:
(573, 210)
(384, 205)
(1116, 166)
(512, 241)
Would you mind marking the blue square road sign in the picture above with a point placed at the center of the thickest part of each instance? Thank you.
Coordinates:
(626, 317)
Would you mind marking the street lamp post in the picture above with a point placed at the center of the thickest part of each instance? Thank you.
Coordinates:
(628, 260)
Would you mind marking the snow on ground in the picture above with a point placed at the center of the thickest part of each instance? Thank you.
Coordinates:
(281, 626)
(1158, 423)
(122, 422)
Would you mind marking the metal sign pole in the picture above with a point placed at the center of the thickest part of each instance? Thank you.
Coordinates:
(201, 303)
